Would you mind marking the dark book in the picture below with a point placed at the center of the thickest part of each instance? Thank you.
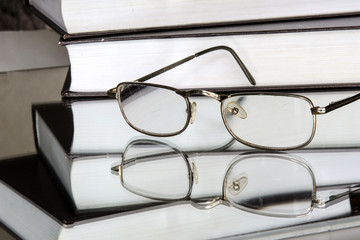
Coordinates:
(326, 50)
(33, 206)
(55, 130)
(82, 138)
(87, 18)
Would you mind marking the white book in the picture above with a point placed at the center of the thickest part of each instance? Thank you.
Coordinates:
(85, 17)
(34, 207)
(78, 151)
(97, 126)
(279, 57)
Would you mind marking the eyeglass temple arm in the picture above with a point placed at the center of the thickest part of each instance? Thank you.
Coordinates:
(334, 199)
(335, 105)
(184, 60)
(112, 92)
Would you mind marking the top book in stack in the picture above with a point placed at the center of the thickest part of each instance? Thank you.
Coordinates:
(74, 18)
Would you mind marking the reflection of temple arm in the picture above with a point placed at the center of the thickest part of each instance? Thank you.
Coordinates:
(184, 60)
(335, 105)
(334, 199)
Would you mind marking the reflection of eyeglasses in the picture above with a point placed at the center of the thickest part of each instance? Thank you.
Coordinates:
(262, 183)
(272, 121)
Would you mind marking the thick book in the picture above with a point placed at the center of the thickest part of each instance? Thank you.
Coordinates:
(97, 125)
(86, 18)
(33, 206)
(81, 139)
(33, 203)
(324, 51)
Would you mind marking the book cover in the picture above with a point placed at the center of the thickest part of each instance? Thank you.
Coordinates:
(85, 19)
(326, 50)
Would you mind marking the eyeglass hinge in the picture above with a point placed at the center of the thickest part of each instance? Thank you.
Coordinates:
(318, 110)
(111, 93)
(320, 203)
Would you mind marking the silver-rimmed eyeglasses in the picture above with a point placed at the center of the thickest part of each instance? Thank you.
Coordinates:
(270, 121)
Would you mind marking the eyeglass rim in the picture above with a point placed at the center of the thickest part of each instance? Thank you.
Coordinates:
(249, 144)
(185, 93)
(175, 90)
(184, 157)
(275, 155)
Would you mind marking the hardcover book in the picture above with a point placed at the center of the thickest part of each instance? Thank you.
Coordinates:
(81, 139)
(326, 50)
(86, 18)
(97, 125)
(34, 207)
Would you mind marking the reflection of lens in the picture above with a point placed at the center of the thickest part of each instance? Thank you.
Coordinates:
(155, 170)
(272, 121)
(271, 185)
(153, 110)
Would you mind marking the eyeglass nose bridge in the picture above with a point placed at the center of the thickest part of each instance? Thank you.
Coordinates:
(200, 92)
(205, 204)
(193, 104)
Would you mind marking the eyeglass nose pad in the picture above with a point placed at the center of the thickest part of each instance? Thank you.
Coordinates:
(195, 173)
(237, 185)
(206, 204)
(193, 112)
(235, 109)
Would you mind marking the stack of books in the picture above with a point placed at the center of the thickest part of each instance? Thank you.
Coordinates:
(71, 188)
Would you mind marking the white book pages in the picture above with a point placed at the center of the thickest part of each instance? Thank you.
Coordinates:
(89, 181)
(130, 15)
(176, 221)
(100, 127)
(293, 58)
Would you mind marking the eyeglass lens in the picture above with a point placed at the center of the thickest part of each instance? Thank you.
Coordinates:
(271, 121)
(153, 110)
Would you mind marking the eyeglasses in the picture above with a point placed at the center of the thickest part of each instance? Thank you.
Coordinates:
(272, 184)
(270, 121)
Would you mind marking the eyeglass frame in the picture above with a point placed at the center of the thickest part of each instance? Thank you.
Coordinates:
(114, 93)
(209, 203)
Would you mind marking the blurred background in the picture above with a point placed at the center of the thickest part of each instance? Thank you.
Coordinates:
(33, 68)
(14, 15)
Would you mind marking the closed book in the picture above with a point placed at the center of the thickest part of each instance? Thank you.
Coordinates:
(81, 139)
(97, 125)
(33, 207)
(322, 51)
(89, 17)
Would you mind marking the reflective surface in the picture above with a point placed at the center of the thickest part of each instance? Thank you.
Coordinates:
(271, 184)
(148, 168)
